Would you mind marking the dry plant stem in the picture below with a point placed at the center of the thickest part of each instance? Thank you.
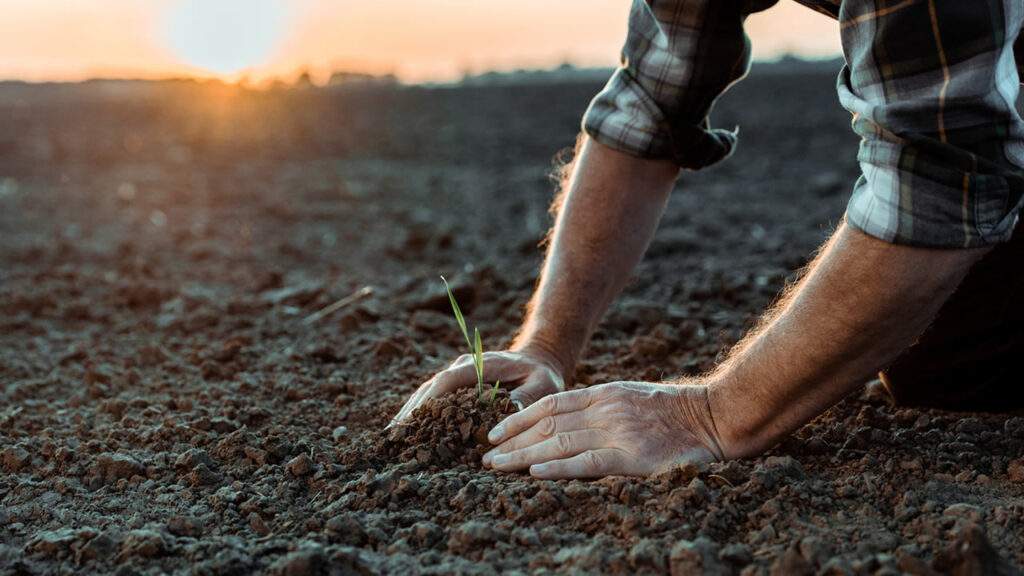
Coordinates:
(332, 308)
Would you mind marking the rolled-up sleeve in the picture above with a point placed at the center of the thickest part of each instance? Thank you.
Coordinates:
(678, 58)
(932, 86)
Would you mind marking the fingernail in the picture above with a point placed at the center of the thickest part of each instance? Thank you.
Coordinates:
(488, 456)
(499, 459)
(538, 468)
(495, 435)
(518, 404)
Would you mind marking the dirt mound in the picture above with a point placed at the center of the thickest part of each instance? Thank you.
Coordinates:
(446, 431)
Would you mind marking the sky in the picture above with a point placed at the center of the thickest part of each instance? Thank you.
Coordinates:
(417, 40)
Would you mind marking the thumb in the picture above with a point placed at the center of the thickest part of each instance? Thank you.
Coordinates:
(536, 386)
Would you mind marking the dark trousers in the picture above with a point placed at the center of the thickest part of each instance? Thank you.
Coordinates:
(972, 356)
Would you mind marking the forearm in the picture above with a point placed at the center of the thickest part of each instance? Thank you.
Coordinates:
(610, 209)
(862, 302)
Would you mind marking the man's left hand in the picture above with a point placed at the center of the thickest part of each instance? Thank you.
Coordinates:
(630, 428)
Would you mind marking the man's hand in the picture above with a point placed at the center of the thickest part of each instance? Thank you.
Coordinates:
(533, 373)
(633, 428)
(608, 214)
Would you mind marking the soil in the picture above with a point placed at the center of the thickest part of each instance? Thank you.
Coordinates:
(169, 402)
(444, 432)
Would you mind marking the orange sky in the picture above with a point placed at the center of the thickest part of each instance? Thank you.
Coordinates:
(415, 39)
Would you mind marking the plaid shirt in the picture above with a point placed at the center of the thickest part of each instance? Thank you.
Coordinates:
(931, 85)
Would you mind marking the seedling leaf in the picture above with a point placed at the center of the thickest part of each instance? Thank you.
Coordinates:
(478, 359)
(494, 392)
(458, 313)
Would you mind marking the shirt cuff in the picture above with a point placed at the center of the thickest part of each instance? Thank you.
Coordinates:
(624, 117)
(908, 196)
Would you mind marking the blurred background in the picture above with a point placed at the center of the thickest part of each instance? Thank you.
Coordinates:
(417, 41)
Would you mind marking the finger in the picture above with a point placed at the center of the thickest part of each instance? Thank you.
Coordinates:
(589, 464)
(461, 374)
(413, 402)
(537, 385)
(508, 367)
(548, 406)
(547, 427)
(560, 446)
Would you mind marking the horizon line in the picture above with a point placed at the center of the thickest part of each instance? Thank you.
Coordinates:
(295, 77)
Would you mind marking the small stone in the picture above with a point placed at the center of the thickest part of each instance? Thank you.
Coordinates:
(192, 458)
(203, 476)
(339, 433)
(697, 557)
(185, 526)
(15, 458)
(385, 482)
(346, 529)
(473, 535)
(1014, 427)
(737, 554)
(971, 427)
(307, 561)
(648, 554)
(53, 542)
(99, 547)
(542, 504)
(1015, 471)
(142, 543)
(427, 533)
(785, 466)
(967, 511)
(466, 429)
(814, 550)
(576, 491)
(258, 524)
(678, 474)
(120, 466)
(300, 466)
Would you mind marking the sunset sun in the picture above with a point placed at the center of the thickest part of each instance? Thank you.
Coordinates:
(225, 36)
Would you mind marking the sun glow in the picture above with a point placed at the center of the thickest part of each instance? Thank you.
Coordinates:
(226, 36)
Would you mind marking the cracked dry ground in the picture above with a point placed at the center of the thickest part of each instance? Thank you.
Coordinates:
(166, 407)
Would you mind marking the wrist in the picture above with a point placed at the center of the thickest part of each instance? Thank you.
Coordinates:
(562, 362)
(744, 430)
(692, 407)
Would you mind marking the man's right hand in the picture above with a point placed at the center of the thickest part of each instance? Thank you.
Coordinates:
(531, 373)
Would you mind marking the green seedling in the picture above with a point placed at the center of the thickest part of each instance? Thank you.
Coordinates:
(475, 347)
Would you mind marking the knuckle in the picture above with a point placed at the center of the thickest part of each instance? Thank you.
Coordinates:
(547, 426)
(593, 461)
(563, 444)
(549, 404)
